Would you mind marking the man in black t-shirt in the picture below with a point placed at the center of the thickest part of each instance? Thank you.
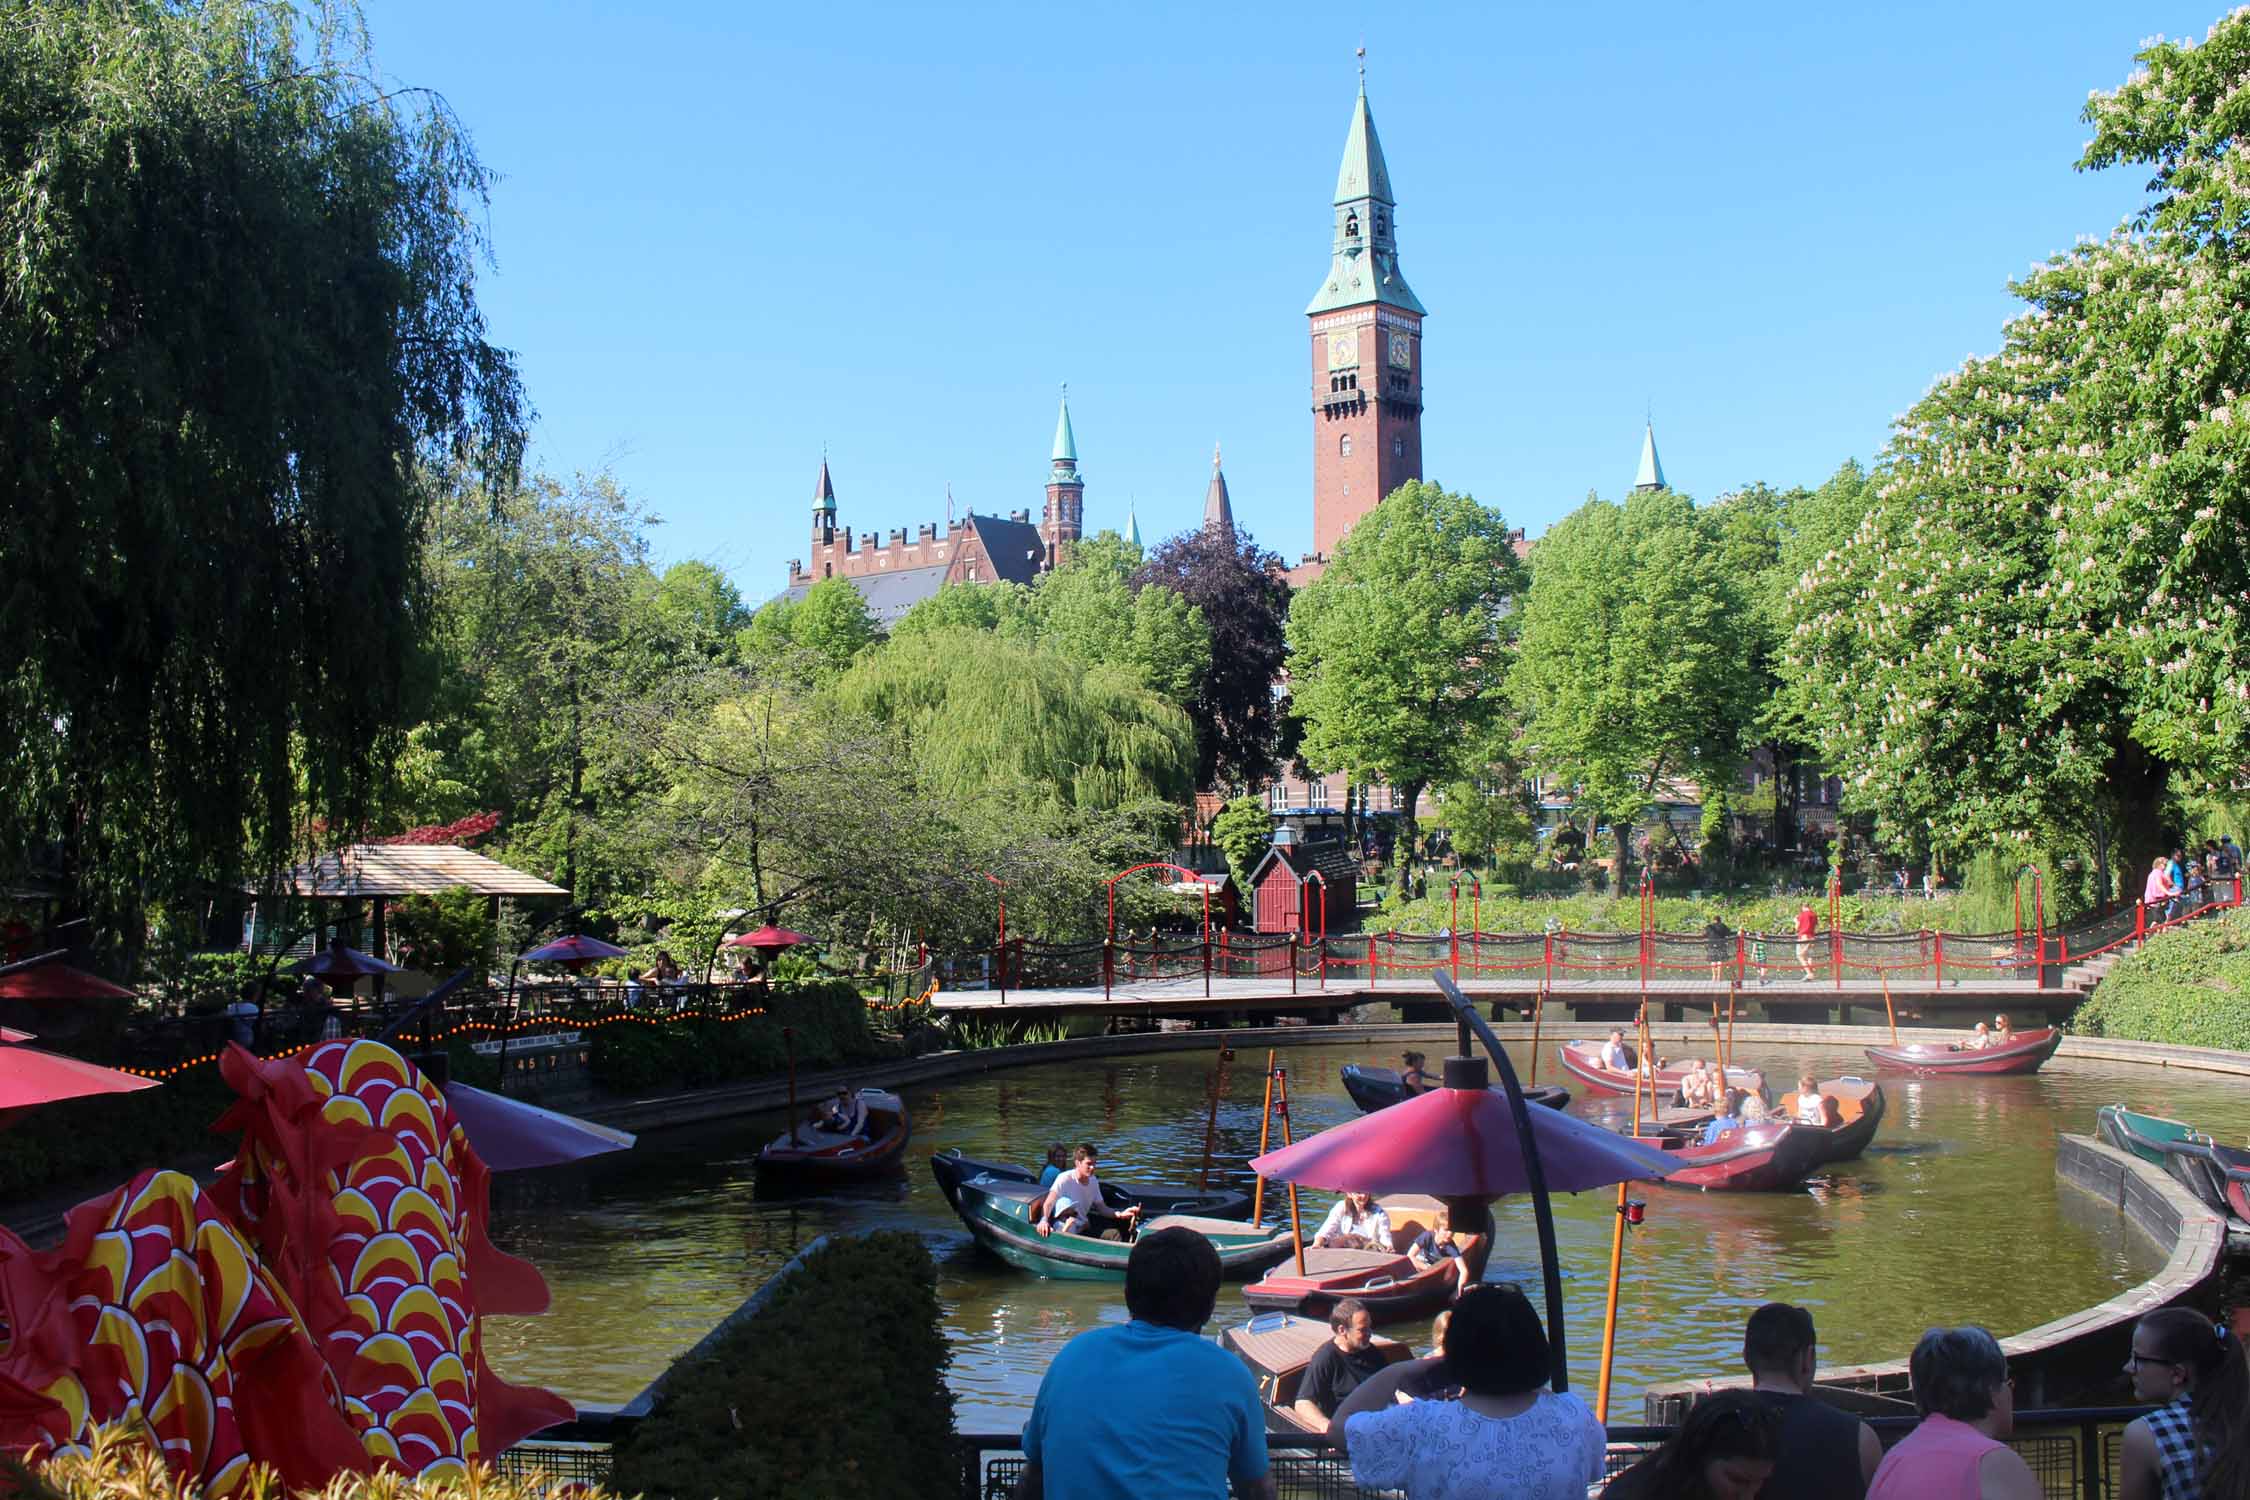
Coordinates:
(1824, 1453)
(1338, 1366)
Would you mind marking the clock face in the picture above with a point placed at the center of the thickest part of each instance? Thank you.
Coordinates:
(1402, 352)
(1343, 349)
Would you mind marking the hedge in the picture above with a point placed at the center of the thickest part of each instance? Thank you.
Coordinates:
(1590, 913)
(2189, 986)
(829, 1019)
(835, 1388)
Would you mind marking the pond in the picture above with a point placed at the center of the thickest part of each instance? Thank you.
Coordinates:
(1953, 1215)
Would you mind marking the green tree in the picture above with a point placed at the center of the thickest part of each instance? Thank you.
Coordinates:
(1634, 665)
(1088, 611)
(1243, 830)
(701, 610)
(819, 635)
(1398, 653)
(242, 332)
(2034, 632)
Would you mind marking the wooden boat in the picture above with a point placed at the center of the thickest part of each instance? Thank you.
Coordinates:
(1756, 1158)
(2024, 1052)
(1392, 1286)
(1380, 1088)
(1277, 1346)
(998, 1213)
(1859, 1109)
(951, 1169)
(810, 1154)
(1583, 1061)
(2190, 1157)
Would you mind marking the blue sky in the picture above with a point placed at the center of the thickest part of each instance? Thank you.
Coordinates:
(728, 235)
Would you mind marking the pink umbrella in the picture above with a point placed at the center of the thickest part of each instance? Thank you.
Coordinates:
(511, 1135)
(339, 962)
(9, 1034)
(768, 940)
(30, 1077)
(59, 982)
(573, 952)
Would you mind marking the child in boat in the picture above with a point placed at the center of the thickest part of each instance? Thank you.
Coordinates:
(1415, 1076)
(1357, 1222)
(1075, 1204)
(843, 1114)
(1815, 1107)
(1058, 1162)
(1728, 1120)
(1981, 1038)
(1435, 1243)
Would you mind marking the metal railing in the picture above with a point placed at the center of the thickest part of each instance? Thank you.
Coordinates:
(2072, 1451)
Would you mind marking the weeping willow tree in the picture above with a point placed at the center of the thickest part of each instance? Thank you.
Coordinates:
(979, 712)
(239, 309)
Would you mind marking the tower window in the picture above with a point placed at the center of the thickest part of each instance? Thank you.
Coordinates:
(1344, 445)
(1398, 447)
(1351, 226)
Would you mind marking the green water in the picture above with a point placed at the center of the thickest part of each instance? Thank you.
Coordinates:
(1954, 1215)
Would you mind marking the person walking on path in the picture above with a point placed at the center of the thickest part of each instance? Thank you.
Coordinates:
(1808, 925)
(1968, 1405)
(1150, 1407)
(1822, 1453)
(2158, 890)
(2196, 1446)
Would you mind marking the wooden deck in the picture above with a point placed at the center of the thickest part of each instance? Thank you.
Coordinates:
(1858, 1000)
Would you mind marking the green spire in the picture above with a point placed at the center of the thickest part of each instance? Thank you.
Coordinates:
(1363, 265)
(1651, 475)
(1132, 525)
(1066, 443)
(1363, 174)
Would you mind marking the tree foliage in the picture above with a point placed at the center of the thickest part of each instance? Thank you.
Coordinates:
(1243, 830)
(818, 636)
(1244, 602)
(2037, 623)
(242, 331)
(1398, 653)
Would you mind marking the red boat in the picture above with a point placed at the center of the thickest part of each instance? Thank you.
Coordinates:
(1392, 1286)
(1859, 1109)
(1583, 1061)
(810, 1154)
(2023, 1052)
(2236, 1164)
(1755, 1158)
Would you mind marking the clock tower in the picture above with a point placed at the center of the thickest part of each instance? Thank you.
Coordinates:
(1060, 525)
(1366, 348)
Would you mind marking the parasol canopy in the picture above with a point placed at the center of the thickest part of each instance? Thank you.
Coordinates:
(10, 1034)
(30, 1077)
(572, 952)
(59, 982)
(768, 940)
(511, 1135)
(339, 962)
(1461, 1143)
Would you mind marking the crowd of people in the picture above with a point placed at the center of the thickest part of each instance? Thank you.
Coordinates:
(2185, 881)
(1150, 1406)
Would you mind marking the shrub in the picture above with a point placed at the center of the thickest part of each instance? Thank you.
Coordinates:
(829, 1018)
(2189, 986)
(443, 933)
(759, 1414)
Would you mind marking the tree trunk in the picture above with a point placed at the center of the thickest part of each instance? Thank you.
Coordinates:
(1409, 834)
(2137, 782)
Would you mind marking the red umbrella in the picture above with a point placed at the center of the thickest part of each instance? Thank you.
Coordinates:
(338, 962)
(573, 952)
(768, 940)
(30, 1077)
(10, 1034)
(59, 982)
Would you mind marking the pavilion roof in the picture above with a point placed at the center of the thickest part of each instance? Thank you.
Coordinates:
(406, 870)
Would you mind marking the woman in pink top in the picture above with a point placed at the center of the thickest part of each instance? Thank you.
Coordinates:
(2159, 888)
(1968, 1405)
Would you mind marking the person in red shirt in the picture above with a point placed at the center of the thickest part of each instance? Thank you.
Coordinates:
(1808, 923)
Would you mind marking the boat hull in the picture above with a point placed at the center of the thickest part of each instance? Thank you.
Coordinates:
(1151, 1201)
(1754, 1159)
(802, 1157)
(2026, 1054)
(998, 1215)
(1380, 1088)
(1864, 1105)
(1392, 1291)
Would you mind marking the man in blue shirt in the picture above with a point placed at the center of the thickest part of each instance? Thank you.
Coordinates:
(1149, 1407)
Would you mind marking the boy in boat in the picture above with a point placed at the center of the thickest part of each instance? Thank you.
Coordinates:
(1075, 1205)
(1815, 1107)
(843, 1115)
(1338, 1366)
(1981, 1038)
(1435, 1243)
(1357, 1222)
(1731, 1117)
(1415, 1076)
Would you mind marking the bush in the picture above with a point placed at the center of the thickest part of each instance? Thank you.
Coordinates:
(1499, 912)
(444, 933)
(2189, 986)
(760, 1414)
(829, 1018)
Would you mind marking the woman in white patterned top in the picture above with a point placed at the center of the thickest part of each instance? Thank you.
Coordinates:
(1506, 1435)
(2196, 1446)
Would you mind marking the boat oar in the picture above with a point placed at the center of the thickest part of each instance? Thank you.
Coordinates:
(1296, 1225)
(1265, 1128)
(1888, 1008)
(1609, 1318)
(1538, 1009)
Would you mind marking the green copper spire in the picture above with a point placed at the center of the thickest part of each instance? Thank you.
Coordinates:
(1132, 525)
(1651, 475)
(1363, 265)
(1066, 442)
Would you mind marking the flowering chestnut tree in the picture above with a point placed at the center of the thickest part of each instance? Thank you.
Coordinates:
(2036, 627)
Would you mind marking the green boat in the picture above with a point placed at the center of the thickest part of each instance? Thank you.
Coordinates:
(997, 1211)
(2152, 1138)
(2192, 1158)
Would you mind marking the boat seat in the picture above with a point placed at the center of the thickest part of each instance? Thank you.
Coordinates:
(1319, 1262)
(1200, 1225)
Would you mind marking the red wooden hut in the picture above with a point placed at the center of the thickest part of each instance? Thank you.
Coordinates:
(1286, 898)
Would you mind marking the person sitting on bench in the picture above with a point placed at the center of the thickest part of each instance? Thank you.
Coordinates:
(1075, 1205)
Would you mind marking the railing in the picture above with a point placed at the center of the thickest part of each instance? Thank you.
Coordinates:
(2073, 1452)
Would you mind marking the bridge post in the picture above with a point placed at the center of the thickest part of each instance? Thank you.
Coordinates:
(1292, 952)
(1937, 961)
(1206, 966)
(1109, 964)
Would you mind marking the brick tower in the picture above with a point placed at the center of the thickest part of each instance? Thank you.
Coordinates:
(1366, 348)
(1066, 492)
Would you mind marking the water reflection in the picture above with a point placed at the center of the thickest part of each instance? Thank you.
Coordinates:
(1954, 1215)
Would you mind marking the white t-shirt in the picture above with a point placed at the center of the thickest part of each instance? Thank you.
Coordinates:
(1441, 1450)
(1614, 1058)
(1812, 1109)
(1375, 1228)
(1085, 1196)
